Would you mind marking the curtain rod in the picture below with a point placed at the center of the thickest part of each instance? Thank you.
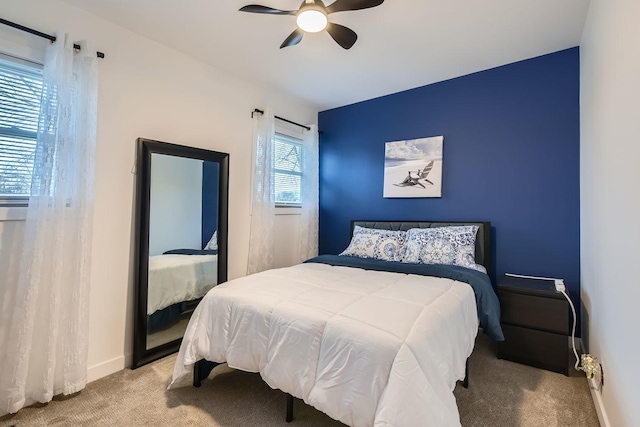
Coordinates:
(40, 34)
(280, 118)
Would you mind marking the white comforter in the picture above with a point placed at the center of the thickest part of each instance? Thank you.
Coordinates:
(365, 347)
(177, 278)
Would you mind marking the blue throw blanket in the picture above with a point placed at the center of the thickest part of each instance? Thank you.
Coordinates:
(191, 252)
(486, 299)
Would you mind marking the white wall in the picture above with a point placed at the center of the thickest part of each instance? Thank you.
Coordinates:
(175, 206)
(610, 202)
(147, 90)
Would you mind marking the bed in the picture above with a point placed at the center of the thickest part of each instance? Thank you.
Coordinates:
(175, 278)
(368, 342)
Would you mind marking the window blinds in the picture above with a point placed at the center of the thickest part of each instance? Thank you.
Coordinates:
(20, 92)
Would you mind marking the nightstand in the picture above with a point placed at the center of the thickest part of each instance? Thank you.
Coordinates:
(535, 322)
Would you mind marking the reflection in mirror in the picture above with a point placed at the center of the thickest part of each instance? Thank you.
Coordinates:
(183, 242)
(182, 196)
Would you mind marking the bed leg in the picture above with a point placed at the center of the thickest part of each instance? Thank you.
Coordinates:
(465, 383)
(201, 370)
(289, 417)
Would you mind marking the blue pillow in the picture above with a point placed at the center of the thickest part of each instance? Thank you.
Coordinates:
(213, 242)
(454, 245)
(372, 243)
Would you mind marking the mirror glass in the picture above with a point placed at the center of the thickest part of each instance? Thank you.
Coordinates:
(182, 195)
(183, 246)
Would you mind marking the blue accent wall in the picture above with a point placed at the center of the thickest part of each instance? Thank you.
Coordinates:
(210, 179)
(510, 156)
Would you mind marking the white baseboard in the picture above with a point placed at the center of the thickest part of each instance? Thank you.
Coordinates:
(596, 395)
(103, 369)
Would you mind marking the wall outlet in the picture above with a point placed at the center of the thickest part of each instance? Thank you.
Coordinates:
(592, 368)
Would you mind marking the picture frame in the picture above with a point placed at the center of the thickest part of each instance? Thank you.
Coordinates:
(413, 168)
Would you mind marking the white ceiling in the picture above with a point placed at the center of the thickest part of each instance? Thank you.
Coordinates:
(401, 44)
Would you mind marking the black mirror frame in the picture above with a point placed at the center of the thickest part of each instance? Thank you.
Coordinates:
(145, 148)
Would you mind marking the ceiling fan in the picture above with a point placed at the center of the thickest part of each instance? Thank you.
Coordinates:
(312, 17)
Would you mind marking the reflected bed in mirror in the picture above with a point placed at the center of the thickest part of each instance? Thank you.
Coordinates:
(182, 195)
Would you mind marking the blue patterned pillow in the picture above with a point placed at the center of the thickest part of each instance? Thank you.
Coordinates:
(384, 245)
(213, 242)
(443, 245)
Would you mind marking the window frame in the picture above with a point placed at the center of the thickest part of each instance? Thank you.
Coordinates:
(286, 137)
(12, 207)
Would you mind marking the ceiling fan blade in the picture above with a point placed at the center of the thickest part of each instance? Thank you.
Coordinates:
(345, 5)
(256, 8)
(293, 39)
(344, 36)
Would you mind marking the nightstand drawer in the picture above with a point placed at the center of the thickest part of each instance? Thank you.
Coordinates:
(547, 314)
(541, 349)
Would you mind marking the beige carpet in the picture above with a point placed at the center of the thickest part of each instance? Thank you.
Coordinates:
(501, 394)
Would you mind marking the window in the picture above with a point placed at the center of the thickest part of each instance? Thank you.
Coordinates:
(20, 91)
(287, 170)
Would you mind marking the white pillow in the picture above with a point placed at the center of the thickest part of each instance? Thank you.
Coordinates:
(213, 242)
(385, 245)
(443, 245)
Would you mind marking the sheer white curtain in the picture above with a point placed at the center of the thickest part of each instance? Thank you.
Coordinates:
(44, 340)
(310, 188)
(261, 236)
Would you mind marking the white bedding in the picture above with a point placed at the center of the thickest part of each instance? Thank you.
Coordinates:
(365, 347)
(177, 278)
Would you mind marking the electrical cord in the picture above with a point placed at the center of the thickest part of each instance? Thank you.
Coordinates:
(573, 330)
(588, 369)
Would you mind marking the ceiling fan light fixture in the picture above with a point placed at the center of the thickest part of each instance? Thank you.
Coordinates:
(312, 20)
(312, 17)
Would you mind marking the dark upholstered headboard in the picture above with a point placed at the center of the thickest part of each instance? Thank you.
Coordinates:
(483, 238)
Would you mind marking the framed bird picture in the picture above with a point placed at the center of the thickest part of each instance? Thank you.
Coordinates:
(413, 168)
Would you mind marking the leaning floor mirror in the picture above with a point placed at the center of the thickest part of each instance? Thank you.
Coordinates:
(181, 240)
